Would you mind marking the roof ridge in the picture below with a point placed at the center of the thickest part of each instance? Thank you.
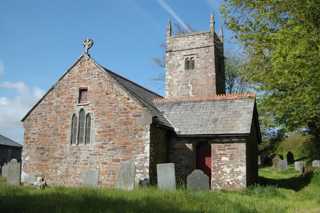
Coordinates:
(229, 96)
(134, 83)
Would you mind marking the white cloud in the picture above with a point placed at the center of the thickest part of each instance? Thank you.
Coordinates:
(173, 13)
(14, 107)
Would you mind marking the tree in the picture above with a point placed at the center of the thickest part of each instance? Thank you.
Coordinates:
(233, 73)
(282, 41)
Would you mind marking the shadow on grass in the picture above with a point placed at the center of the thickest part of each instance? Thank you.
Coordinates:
(294, 183)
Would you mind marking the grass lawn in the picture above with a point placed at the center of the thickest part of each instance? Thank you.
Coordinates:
(294, 194)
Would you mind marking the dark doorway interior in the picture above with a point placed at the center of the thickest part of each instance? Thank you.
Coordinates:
(204, 158)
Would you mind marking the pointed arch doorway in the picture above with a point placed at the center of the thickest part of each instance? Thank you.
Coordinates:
(204, 158)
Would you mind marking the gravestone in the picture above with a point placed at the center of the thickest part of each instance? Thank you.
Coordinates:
(126, 177)
(90, 177)
(299, 166)
(198, 180)
(290, 158)
(12, 172)
(276, 161)
(283, 165)
(166, 176)
(316, 163)
(4, 170)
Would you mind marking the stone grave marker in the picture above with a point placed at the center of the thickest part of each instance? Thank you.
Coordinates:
(166, 176)
(90, 177)
(197, 180)
(126, 177)
(276, 161)
(316, 163)
(4, 170)
(283, 165)
(299, 166)
(12, 172)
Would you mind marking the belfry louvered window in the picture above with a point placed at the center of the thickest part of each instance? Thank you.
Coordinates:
(74, 129)
(189, 63)
(81, 129)
(88, 128)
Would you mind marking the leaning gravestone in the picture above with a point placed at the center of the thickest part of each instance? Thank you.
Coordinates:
(198, 180)
(166, 176)
(299, 166)
(90, 177)
(316, 163)
(126, 177)
(12, 172)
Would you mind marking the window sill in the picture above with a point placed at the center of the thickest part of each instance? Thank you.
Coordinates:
(83, 104)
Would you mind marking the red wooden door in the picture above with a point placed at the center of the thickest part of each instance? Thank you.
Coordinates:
(204, 158)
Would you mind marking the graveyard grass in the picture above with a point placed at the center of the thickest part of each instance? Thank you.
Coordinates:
(295, 194)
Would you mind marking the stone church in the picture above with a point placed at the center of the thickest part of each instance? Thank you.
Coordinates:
(93, 119)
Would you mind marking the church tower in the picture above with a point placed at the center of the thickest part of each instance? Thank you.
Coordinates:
(194, 64)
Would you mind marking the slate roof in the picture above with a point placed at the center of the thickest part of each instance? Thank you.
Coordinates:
(8, 142)
(142, 94)
(209, 117)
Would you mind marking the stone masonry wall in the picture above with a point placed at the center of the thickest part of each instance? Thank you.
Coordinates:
(228, 165)
(198, 82)
(158, 150)
(182, 153)
(120, 130)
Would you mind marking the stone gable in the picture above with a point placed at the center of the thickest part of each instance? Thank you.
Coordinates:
(120, 129)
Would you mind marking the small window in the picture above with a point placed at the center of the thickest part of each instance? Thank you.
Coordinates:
(74, 129)
(83, 95)
(81, 129)
(88, 128)
(189, 63)
(186, 63)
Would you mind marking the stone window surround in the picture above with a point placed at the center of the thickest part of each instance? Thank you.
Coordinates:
(91, 126)
(190, 61)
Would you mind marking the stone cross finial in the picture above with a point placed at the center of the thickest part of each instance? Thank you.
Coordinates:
(87, 44)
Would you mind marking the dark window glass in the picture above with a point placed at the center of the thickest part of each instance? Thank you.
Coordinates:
(191, 63)
(88, 128)
(186, 63)
(81, 126)
(74, 129)
(83, 95)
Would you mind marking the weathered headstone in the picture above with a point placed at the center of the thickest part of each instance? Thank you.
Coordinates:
(283, 165)
(166, 176)
(290, 157)
(126, 177)
(4, 170)
(12, 172)
(90, 177)
(299, 166)
(316, 163)
(276, 161)
(198, 180)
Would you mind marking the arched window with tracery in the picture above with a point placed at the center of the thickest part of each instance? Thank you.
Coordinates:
(74, 129)
(81, 129)
(88, 128)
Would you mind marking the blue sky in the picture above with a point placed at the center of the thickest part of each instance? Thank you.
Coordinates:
(40, 39)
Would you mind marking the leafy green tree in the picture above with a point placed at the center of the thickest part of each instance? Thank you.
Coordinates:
(282, 41)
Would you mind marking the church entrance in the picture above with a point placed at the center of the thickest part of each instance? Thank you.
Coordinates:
(203, 155)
